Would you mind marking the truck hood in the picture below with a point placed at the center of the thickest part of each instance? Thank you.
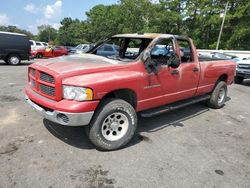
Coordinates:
(79, 64)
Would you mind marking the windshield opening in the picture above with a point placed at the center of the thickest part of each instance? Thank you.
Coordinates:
(122, 49)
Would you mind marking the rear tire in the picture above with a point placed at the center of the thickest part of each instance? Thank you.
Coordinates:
(238, 79)
(14, 59)
(113, 125)
(218, 96)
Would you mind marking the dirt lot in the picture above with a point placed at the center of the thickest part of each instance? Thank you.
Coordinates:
(192, 147)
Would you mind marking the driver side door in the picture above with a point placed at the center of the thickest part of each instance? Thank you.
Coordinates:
(162, 87)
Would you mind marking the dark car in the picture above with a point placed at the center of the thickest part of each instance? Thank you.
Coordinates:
(14, 47)
(70, 49)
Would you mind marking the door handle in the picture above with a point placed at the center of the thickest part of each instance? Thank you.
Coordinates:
(195, 69)
(175, 72)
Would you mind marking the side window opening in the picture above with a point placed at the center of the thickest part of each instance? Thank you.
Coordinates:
(122, 48)
(185, 51)
(163, 50)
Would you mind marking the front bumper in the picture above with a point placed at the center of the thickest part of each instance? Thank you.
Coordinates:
(243, 73)
(63, 118)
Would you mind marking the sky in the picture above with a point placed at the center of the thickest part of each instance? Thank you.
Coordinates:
(28, 14)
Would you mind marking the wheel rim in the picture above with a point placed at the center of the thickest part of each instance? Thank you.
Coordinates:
(14, 60)
(222, 94)
(115, 126)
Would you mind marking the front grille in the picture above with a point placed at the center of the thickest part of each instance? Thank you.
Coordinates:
(244, 66)
(32, 72)
(43, 83)
(47, 78)
(33, 83)
(48, 90)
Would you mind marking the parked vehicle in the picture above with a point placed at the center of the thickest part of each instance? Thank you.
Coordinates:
(225, 56)
(14, 47)
(70, 49)
(106, 93)
(49, 52)
(108, 50)
(38, 45)
(218, 56)
(82, 48)
(242, 71)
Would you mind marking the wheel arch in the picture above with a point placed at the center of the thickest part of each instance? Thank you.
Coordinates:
(125, 94)
(13, 53)
(223, 77)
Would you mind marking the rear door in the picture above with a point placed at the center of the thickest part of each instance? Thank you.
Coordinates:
(189, 70)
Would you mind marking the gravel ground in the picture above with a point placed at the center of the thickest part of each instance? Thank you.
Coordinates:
(191, 147)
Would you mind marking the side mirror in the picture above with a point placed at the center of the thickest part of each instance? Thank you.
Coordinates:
(174, 62)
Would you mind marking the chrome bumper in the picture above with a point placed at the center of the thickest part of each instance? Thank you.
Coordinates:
(63, 118)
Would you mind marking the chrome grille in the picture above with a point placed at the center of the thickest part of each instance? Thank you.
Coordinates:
(244, 66)
(48, 90)
(47, 78)
(32, 72)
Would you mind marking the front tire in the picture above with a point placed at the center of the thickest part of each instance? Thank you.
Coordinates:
(39, 56)
(218, 96)
(14, 60)
(113, 124)
(5, 60)
(238, 79)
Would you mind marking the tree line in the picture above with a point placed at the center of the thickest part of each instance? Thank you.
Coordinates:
(199, 19)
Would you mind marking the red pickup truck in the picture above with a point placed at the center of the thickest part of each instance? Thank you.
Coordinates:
(150, 74)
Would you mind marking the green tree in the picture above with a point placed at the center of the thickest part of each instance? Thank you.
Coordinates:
(199, 19)
(15, 29)
(203, 23)
(236, 34)
(46, 33)
(72, 32)
(102, 22)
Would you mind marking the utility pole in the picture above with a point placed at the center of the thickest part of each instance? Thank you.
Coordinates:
(49, 34)
(222, 25)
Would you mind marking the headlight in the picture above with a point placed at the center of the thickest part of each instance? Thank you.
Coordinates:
(77, 93)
